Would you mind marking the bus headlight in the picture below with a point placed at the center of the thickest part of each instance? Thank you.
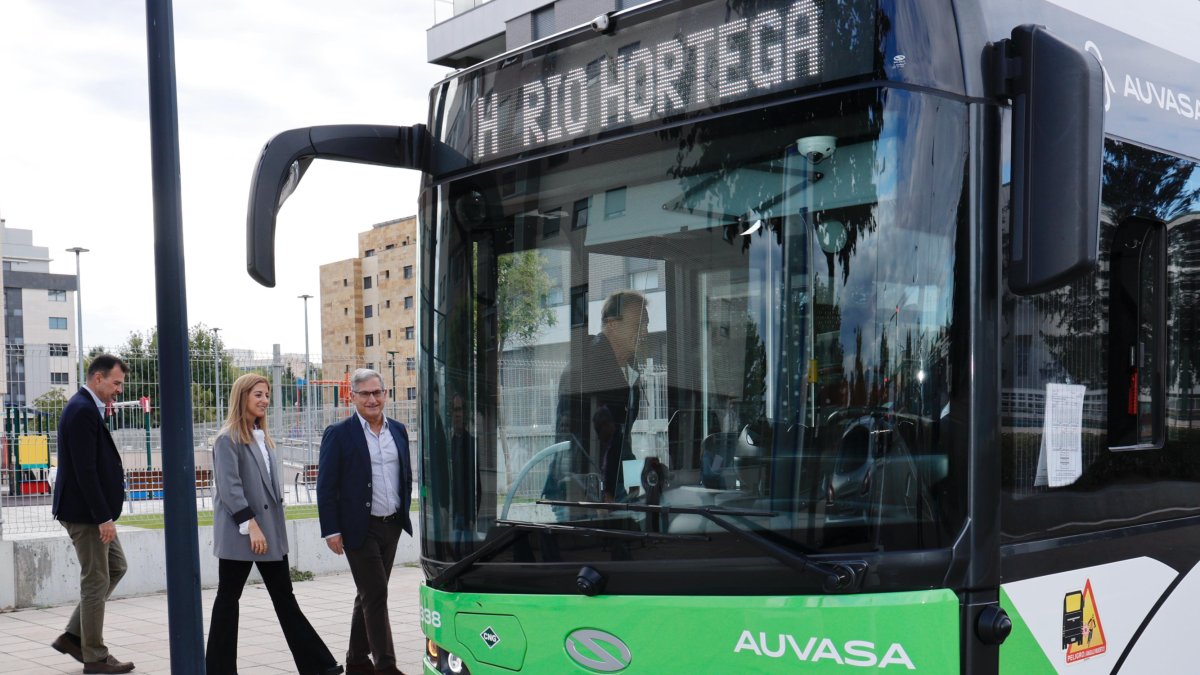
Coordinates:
(455, 664)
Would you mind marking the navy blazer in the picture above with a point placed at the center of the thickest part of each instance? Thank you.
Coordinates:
(344, 480)
(90, 486)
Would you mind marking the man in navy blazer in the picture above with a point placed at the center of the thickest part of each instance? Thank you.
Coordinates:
(89, 492)
(364, 487)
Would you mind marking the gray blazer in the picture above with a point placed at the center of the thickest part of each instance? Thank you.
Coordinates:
(243, 492)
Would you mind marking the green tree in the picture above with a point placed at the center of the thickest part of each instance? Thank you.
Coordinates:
(521, 289)
(208, 355)
(521, 292)
(52, 403)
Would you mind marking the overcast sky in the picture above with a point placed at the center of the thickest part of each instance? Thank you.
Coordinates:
(75, 147)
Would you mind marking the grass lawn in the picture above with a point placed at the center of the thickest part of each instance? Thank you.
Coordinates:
(154, 521)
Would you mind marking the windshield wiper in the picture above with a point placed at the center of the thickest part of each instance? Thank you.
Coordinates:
(839, 576)
(515, 528)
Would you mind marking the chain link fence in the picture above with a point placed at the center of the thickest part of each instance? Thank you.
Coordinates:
(41, 378)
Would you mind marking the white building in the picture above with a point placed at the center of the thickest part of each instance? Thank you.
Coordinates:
(39, 321)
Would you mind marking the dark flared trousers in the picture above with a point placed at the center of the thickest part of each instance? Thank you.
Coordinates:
(371, 567)
(308, 650)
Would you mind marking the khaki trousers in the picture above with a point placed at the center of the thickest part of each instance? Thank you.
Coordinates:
(101, 566)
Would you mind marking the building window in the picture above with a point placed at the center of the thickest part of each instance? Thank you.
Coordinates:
(387, 274)
(366, 282)
(412, 393)
(60, 378)
(368, 311)
(345, 311)
(579, 214)
(369, 253)
(614, 203)
(410, 363)
(408, 302)
(370, 366)
(389, 333)
(389, 247)
(58, 323)
(408, 271)
(542, 22)
(370, 341)
(347, 339)
(345, 282)
(59, 349)
(57, 296)
(388, 304)
(408, 333)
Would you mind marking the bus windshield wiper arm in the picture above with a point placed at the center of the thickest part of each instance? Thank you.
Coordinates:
(838, 576)
(514, 528)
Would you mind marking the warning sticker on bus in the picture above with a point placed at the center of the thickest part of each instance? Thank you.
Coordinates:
(1083, 634)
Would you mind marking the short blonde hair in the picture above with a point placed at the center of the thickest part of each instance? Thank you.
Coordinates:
(240, 425)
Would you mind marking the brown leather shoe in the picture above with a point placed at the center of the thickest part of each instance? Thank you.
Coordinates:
(68, 644)
(110, 665)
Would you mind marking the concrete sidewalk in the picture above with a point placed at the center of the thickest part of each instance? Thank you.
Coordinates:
(136, 628)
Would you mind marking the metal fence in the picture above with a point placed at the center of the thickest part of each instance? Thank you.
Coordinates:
(28, 457)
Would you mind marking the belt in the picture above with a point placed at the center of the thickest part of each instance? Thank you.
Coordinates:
(389, 519)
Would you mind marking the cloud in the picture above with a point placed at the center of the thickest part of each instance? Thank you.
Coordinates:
(75, 146)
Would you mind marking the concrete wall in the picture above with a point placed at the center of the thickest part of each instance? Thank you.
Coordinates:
(46, 572)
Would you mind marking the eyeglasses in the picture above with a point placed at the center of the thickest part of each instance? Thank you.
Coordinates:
(377, 393)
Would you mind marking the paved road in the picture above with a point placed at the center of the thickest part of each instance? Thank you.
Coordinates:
(136, 628)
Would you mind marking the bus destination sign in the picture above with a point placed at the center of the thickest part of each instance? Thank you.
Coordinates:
(689, 61)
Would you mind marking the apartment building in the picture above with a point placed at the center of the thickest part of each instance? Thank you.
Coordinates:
(369, 308)
(39, 321)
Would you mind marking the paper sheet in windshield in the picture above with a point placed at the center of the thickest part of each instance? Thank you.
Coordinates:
(1060, 459)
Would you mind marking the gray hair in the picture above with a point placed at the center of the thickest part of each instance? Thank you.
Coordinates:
(362, 375)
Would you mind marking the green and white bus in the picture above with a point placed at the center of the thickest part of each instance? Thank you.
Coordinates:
(806, 336)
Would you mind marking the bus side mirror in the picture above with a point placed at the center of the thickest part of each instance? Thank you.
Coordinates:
(286, 157)
(1057, 94)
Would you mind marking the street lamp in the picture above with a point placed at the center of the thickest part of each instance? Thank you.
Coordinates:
(392, 365)
(78, 310)
(307, 380)
(217, 361)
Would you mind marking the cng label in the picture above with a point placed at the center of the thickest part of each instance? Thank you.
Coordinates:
(1083, 634)
(489, 637)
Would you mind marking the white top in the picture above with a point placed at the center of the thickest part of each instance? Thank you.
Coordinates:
(260, 439)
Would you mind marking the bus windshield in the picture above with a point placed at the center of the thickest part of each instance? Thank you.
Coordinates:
(753, 313)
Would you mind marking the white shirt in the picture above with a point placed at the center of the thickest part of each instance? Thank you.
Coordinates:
(260, 439)
(99, 403)
(385, 468)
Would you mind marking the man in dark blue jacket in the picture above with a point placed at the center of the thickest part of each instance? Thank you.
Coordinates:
(89, 492)
(364, 487)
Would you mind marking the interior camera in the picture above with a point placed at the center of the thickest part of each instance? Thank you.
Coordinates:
(817, 148)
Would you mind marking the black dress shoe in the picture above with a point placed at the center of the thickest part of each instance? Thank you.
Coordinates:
(70, 645)
(360, 668)
(109, 665)
(335, 669)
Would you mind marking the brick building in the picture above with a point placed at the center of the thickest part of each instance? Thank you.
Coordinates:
(369, 308)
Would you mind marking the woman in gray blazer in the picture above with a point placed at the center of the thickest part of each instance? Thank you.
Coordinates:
(248, 529)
